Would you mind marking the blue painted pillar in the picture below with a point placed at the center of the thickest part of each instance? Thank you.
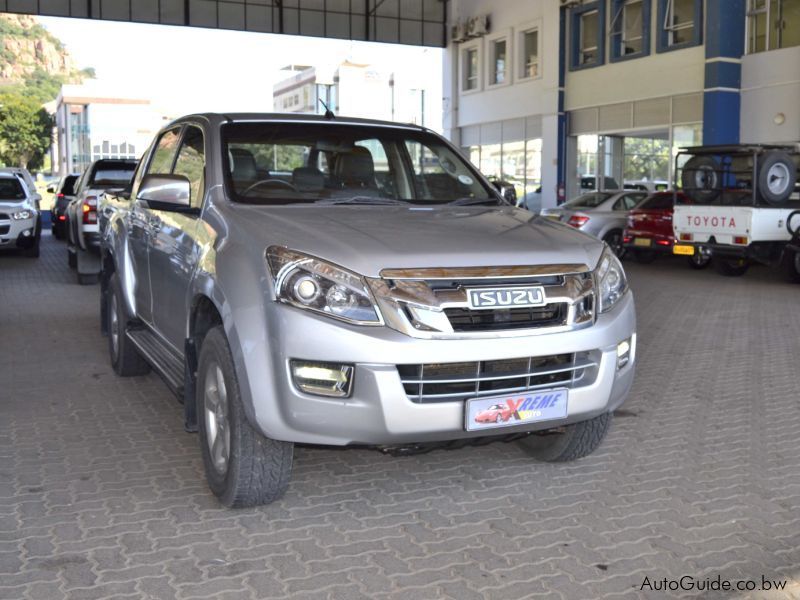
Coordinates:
(562, 117)
(724, 44)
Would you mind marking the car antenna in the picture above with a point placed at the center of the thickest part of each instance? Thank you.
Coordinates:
(328, 112)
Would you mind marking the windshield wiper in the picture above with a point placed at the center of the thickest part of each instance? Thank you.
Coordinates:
(471, 201)
(365, 200)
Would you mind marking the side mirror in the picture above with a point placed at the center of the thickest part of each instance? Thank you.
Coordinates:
(166, 192)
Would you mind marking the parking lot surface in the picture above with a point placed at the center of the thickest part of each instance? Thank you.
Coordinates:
(102, 494)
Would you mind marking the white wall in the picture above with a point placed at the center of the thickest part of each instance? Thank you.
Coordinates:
(667, 74)
(518, 98)
(771, 87)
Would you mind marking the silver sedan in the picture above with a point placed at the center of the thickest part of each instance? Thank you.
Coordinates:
(601, 214)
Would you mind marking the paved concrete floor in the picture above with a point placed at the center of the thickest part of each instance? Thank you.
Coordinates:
(102, 493)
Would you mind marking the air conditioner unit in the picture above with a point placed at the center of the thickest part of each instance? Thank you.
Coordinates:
(569, 3)
(458, 33)
(478, 26)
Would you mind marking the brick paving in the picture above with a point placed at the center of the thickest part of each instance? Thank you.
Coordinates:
(102, 493)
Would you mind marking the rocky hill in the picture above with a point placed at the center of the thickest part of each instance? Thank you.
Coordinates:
(33, 59)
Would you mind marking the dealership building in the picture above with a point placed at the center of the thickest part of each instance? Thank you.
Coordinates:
(573, 95)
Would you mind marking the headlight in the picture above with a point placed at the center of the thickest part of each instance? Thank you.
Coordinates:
(611, 281)
(313, 284)
(23, 214)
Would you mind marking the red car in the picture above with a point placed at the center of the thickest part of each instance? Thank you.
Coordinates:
(649, 231)
(496, 413)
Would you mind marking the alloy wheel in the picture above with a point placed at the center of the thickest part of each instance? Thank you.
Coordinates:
(218, 433)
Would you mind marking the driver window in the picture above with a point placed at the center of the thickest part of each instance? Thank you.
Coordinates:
(191, 163)
(161, 162)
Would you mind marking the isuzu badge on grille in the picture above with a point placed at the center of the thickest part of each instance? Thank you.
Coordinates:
(494, 298)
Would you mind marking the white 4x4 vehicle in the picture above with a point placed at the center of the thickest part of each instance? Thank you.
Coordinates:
(20, 226)
(744, 206)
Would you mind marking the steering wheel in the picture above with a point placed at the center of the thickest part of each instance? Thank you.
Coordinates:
(269, 182)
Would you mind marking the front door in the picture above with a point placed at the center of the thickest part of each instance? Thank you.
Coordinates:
(140, 228)
(174, 250)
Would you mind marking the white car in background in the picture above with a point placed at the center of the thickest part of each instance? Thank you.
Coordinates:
(20, 224)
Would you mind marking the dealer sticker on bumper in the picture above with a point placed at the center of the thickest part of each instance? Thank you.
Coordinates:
(506, 411)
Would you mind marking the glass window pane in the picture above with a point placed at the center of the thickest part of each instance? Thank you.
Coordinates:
(533, 165)
(530, 65)
(161, 163)
(632, 28)
(471, 69)
(786, 18)
(589, 35)
(499, 62)
(191, 163)
(490, 160)
(513, 167)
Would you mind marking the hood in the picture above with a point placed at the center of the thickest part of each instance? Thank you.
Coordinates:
(12, 205)
(368, 239)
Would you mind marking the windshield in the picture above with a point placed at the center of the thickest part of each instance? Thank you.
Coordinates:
(287, 163)
(112, 175)
(592, 200)
(11, 189)
(68, 188)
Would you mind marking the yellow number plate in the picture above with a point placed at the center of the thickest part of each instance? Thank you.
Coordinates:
(683, 250)
(642, 242)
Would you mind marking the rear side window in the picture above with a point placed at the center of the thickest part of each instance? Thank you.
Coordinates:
(658, 202)
(628, 201)
(109, 175)
(164, 154)
(68, 187)
(11, 189)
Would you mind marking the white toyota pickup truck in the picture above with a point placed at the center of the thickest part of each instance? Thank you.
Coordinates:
(745, 206)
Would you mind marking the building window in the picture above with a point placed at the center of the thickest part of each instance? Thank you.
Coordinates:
(529, 54)
(588, 23)
(499, 61)
(681, 23)
(772, 24)
(630, 29)
(470, 68)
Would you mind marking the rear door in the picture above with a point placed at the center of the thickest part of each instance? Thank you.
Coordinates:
(173, 247)
(140, 236)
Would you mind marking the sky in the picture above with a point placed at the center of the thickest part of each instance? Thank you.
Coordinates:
(184, 69)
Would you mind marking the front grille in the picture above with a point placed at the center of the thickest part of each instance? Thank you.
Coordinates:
(449, 382)
(4, 217)
(4, 229)
(465, 319)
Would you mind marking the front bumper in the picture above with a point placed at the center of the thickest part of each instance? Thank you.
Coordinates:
(18, 233)
(379, 411)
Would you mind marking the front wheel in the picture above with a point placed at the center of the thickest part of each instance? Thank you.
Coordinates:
(731, 267)
(243, 468)
(574, 442)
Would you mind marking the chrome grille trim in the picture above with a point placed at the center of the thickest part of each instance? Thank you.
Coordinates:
(416, 307)
(581, 370)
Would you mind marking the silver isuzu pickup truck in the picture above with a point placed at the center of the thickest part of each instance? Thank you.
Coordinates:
(324, 280)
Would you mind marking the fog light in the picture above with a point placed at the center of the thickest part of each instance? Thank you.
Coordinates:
(27, 233)
(623, 353)
(323, 379)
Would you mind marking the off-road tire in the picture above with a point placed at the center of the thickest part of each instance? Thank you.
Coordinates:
(577, 440)
(258, 469)
(700, 179)
(776, 162)
(731, 267)
(125, 358)
(698, 264)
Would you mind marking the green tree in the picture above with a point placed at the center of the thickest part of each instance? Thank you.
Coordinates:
(25, 131)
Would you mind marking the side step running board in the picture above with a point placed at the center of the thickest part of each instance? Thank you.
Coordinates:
(162, 358)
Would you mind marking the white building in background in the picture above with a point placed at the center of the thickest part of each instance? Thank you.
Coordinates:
(408, 94)
(577, 94)
(94, 122)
